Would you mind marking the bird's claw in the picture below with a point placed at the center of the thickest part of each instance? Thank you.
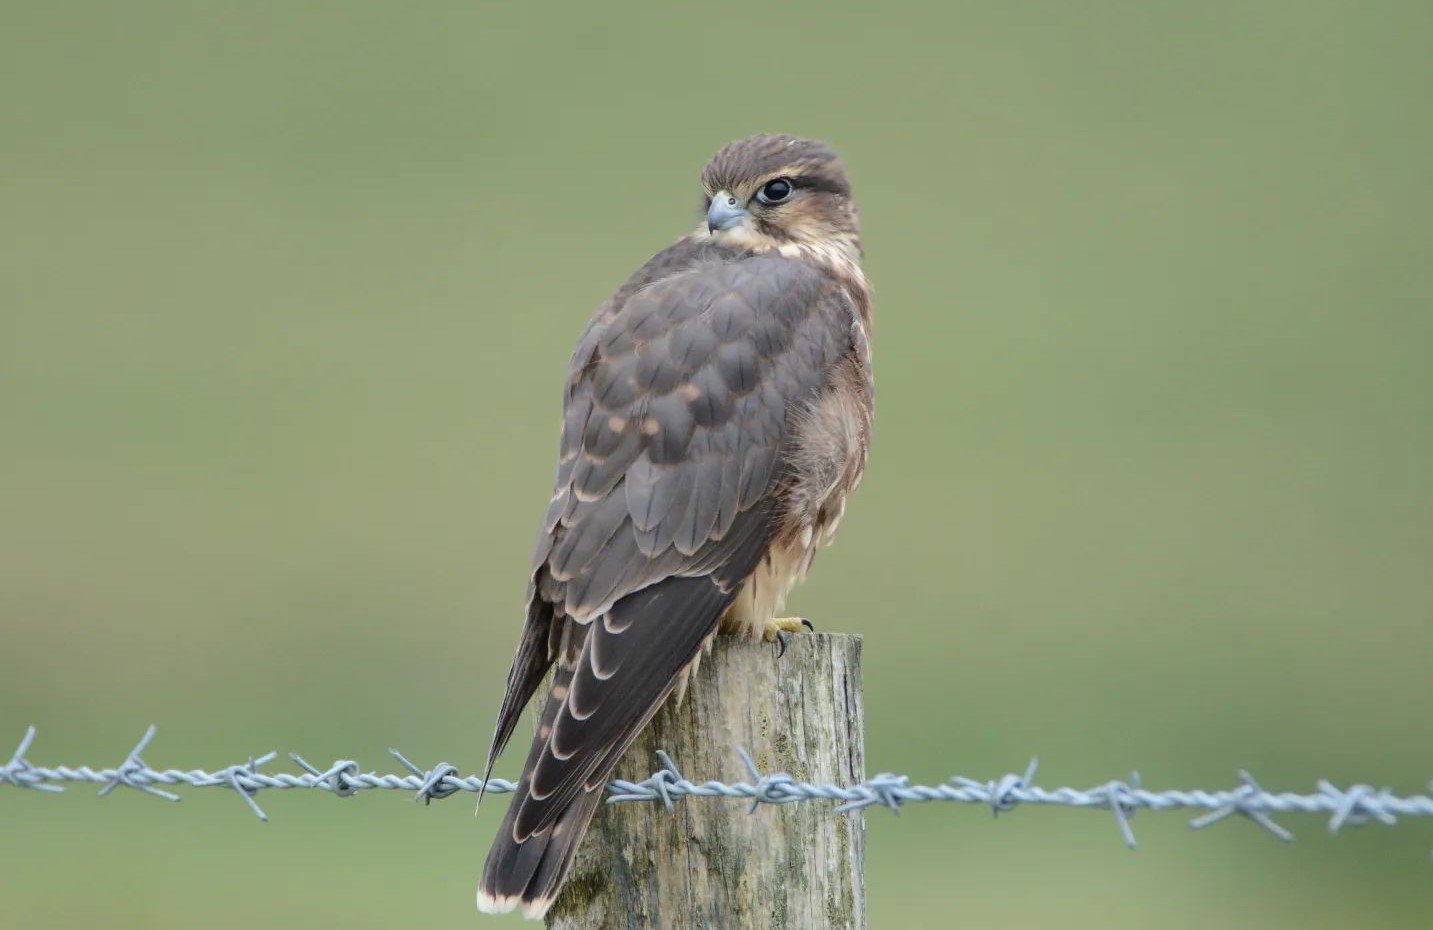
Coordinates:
(778, 628)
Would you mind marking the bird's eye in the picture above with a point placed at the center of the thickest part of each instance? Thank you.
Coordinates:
(775, 191)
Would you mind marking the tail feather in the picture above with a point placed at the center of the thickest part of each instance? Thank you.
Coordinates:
(612, 675)
(529, 665)
(540, 834)
(529, 874)
(527, 870)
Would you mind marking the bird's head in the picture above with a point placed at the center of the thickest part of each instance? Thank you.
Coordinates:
(780, 192)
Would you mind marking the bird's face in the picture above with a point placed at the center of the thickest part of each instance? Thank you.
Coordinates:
(780, 192)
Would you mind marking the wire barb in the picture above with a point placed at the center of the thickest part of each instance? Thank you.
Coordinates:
(1240, 805)
(20, 773)
(1122, 800)
(241, 779)
(343, 778)
(1357, 806)
(1005, 794)
(1345, 807)
(134, 773)
(438, 782)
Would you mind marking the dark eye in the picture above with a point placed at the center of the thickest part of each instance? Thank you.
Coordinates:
(775, 191)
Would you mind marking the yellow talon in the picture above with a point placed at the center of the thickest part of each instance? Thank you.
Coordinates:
(778, 627)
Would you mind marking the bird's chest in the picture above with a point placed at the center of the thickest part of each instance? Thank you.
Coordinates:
(828, 458)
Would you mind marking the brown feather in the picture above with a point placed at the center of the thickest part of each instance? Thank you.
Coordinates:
(696, 407)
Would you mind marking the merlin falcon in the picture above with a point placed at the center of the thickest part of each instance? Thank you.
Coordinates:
(717, 412)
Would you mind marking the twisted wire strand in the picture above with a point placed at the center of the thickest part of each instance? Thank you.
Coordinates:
(1351, 806)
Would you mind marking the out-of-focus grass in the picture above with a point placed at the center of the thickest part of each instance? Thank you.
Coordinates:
(286, 292)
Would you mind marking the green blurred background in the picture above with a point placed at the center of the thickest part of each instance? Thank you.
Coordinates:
(286, 294)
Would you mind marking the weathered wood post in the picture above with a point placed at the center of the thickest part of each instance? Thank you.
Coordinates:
(709, 865)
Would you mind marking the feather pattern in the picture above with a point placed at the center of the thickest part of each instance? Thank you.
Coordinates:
(684, 407)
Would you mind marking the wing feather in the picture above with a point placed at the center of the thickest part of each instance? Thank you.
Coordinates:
(664, 626)
(679, 403)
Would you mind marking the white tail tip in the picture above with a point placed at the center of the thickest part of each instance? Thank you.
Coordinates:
(489, 904)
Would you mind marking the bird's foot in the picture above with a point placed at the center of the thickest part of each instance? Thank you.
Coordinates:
(777, 629)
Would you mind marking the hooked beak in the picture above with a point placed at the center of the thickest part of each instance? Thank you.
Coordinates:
(724, 212)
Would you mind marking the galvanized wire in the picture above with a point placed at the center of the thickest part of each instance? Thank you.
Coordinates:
(1350, 806)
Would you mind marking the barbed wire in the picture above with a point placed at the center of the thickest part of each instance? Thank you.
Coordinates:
(1353, 806)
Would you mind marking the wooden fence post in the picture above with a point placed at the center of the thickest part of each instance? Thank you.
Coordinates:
(709, 865)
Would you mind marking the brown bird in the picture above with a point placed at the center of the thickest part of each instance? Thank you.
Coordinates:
(718, 410)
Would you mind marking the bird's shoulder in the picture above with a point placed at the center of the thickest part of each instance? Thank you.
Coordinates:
(709, 323)
(697, 284)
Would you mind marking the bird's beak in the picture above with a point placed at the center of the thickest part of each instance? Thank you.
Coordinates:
(724, 212)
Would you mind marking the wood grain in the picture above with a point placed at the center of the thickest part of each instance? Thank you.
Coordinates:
(709, 865)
